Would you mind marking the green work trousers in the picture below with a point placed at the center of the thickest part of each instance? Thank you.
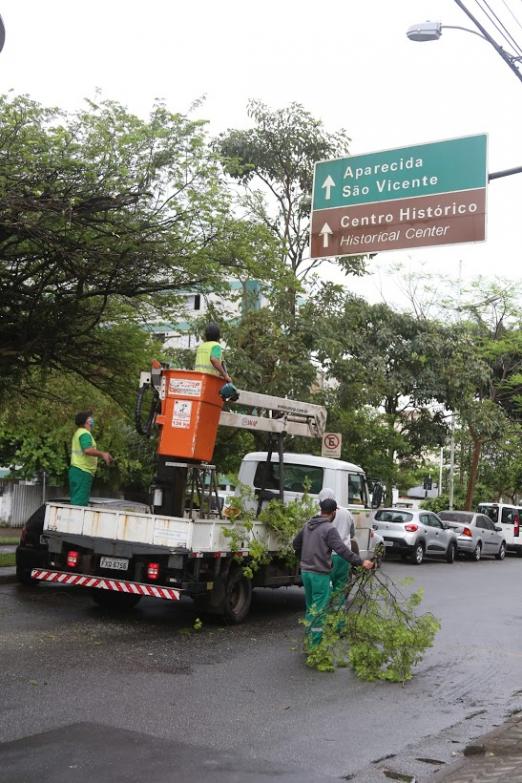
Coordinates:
(340, 574)
(317, 591)
(80, 483)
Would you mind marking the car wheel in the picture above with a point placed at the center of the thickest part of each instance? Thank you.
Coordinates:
(418, 554)
(477, 553)
(501, 552)
(450, 554)
(109, 599)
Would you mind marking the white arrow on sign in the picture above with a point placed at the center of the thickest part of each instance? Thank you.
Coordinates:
(325, 233)
(328, 184)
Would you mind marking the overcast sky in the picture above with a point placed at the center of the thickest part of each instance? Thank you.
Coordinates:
(349, 62)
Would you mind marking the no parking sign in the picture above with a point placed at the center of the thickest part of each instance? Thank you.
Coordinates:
(332, 443)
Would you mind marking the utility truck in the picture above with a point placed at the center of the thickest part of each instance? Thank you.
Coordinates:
(181, 548)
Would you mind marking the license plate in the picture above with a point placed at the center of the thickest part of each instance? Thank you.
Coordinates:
(389, 543)
(116, 563)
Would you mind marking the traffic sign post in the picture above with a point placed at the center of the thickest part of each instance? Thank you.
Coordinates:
(429, 194)
(332, 445)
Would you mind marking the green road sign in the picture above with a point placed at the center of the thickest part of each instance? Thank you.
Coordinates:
(430, 194)
(407, 172)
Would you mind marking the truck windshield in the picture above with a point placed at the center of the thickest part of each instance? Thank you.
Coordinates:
(295, 477)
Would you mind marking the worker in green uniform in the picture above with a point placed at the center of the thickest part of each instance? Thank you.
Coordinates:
(209, 355)
(345, 525)
(314, 544)
(84, 459)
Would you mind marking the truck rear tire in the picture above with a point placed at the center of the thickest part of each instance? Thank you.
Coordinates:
(23, 575)
(109, 599)
(238, 596)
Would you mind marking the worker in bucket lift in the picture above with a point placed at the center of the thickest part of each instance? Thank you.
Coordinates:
(209, 355)
(84, 459)
(314, 544)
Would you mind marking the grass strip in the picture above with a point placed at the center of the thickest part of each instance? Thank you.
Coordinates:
(7, 559)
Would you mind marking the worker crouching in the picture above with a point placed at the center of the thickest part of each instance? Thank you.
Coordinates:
(314, 545)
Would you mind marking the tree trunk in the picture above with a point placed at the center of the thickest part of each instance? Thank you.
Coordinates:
(473, 472)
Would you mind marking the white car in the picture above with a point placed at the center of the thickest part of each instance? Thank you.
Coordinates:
(415, 534)
(508, 518)
(477, 534)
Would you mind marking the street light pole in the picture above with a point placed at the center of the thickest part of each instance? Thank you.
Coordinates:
(452, 464)
(508, 58)
(432, 31)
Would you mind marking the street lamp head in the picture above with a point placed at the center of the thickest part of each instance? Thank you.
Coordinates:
(425, 31)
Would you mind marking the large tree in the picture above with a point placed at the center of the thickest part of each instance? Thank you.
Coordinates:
(274, 162)
(490, 405)
(100, 208)
(386, 363)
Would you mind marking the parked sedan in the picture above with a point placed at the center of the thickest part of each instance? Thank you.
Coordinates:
(477, 534)
(415, 534)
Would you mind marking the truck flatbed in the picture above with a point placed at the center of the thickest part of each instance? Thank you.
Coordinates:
(179, 535)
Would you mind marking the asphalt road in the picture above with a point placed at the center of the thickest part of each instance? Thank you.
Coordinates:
(87, 695)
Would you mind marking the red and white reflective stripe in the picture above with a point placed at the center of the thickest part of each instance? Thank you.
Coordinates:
(102, 583)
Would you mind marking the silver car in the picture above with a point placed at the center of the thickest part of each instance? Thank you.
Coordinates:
(477, 534)
(415, 534)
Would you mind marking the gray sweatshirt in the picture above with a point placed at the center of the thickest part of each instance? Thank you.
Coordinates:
(316, 541)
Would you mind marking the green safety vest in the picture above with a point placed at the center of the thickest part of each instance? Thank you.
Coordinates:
(203, 363)
(78, 458)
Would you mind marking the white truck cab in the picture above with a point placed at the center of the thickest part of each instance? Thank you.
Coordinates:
(347, 480)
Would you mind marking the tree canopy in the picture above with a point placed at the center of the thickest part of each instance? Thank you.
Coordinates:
(274, 161)
(97, 209)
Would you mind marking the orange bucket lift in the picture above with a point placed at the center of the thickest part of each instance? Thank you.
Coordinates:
(188, 408)
(189, 416)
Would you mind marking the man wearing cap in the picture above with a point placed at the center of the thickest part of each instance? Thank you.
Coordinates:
(314, 545)
(345, 525)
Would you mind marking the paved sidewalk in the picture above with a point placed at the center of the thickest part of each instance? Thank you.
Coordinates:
(493, 758)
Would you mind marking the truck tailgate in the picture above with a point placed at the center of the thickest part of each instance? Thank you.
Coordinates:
(119, 525)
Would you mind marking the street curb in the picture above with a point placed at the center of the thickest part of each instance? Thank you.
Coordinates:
(7, 575)
(496, 746)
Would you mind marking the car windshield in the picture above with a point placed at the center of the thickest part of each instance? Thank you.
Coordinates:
(465, 517)
(393, 516)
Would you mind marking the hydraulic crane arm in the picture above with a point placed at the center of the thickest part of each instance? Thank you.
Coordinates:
(276, 414)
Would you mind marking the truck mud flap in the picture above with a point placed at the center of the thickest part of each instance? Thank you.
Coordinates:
(103, 583)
